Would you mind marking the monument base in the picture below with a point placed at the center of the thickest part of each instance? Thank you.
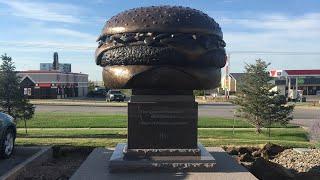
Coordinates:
(95, 167)
(146, 153)
(173, 163)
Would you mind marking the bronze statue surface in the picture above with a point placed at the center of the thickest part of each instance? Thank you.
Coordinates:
(161, 47)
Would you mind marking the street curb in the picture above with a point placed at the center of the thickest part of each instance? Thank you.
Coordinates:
(91, 105)
(43, 155)
(306, 107)
(113, 105)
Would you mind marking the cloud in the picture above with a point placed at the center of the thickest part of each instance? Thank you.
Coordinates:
(72, 33)
(306, 25)
(272, 32)
(288, 42)
(53, 12)
(38, 45)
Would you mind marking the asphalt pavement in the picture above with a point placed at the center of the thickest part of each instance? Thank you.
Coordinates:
(20, 155)
(209, 110)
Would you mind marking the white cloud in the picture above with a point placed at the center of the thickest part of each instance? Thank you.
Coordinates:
(54, 12)
(288, 42)
(73, 33)
(38, 45)
(282, 23)
(305, 25)
(272, 32)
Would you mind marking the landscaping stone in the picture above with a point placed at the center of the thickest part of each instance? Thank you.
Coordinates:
(272, 149)
(256, 154)
(264, 169)
(296, 163)
(232, 151)
(245, 158)
(300, 162)
(244, 150)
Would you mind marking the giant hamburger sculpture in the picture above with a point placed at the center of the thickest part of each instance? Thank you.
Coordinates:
(161, 47)
(162, 53)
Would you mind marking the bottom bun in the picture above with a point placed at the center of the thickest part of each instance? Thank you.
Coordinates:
(161, 77)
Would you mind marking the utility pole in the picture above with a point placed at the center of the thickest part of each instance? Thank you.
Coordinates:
(227, 82)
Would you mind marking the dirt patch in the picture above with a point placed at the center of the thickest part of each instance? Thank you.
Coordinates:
(65, 161)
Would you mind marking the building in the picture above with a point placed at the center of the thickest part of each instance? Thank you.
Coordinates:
(230, 83)
(53, 83)
(294, 83)
(62, 67)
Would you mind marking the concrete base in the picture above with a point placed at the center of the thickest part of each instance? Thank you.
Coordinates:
(97, 164)
(147, 153)
(160, 163)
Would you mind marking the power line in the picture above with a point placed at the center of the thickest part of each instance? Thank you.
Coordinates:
(276, 52)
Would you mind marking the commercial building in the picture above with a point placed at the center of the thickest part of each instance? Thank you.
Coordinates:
(53, 83)
(295, 83)
(291, 83)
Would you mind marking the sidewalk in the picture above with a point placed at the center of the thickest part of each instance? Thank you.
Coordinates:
(98, 103)
(71, 102)
(102, 103)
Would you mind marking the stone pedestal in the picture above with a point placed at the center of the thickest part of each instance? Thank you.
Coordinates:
(162, 134)
(168, 123)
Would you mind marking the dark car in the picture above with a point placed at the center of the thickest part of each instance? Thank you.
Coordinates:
(115, 95)
(98, 92)
(7, 135)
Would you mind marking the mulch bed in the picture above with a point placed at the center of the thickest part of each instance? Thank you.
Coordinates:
(65, 161)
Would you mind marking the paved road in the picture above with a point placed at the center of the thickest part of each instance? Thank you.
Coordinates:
(217, 110)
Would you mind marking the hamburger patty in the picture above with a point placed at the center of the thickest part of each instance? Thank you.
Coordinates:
(161, 49)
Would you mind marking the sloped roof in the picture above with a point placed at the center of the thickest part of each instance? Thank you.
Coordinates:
(303, 72)
(237, 76)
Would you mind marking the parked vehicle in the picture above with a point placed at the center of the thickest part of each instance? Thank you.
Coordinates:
(98, 92)
(115, 95)
(7, 135)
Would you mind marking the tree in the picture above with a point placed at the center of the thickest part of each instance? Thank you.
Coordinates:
(12, 101)
(278, 111)
(25, 111)
(9, 85)
(257, 102)
(91, 86)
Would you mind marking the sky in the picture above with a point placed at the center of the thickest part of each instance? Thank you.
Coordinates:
(285, 33)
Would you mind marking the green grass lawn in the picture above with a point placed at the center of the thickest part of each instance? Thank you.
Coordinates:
(87, 129)
(92, 120)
